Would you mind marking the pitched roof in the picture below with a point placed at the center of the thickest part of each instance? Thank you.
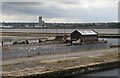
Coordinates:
(87, 32)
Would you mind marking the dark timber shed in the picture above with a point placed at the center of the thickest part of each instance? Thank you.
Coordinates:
(84, 36)
(61, 37)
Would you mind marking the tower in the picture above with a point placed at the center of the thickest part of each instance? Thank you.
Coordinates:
(40, 21)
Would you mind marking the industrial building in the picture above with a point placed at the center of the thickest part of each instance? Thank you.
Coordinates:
(84, 36)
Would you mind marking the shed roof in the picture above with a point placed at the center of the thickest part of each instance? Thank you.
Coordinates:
(87, 32)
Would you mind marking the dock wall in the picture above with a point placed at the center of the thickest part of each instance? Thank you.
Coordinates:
(75, 71)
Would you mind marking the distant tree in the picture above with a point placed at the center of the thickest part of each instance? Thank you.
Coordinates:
(118, 25)
(93, 24)
(79, 25)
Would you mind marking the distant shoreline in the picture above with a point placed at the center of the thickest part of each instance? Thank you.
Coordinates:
(61, 28)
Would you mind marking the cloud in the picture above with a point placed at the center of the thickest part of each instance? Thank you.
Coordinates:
(63, 20)
(84, 11)
(52, 0)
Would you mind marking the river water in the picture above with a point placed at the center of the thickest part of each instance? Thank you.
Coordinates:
(107, 31)
(111, 72)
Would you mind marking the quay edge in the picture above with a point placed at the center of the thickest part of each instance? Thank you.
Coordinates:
(73, 71)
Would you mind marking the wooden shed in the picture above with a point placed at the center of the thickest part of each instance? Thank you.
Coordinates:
(61, 37)
(84, 36)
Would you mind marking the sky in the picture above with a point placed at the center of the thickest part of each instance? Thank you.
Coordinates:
(87, 11)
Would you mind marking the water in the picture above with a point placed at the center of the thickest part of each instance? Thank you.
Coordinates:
(112, 72)
(111, 41)
(107, 31)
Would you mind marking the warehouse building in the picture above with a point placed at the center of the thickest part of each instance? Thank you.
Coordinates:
(84, 36)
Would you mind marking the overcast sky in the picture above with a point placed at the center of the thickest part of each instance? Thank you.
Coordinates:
(61, 12)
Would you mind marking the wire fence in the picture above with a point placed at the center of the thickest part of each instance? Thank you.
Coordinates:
(40, 51)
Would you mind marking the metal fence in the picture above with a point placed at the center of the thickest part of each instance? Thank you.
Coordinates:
(41, 51)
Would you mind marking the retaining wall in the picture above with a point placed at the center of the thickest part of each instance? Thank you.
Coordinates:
(75, 71)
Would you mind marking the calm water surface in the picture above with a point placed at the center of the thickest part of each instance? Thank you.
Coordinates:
(112, 72)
